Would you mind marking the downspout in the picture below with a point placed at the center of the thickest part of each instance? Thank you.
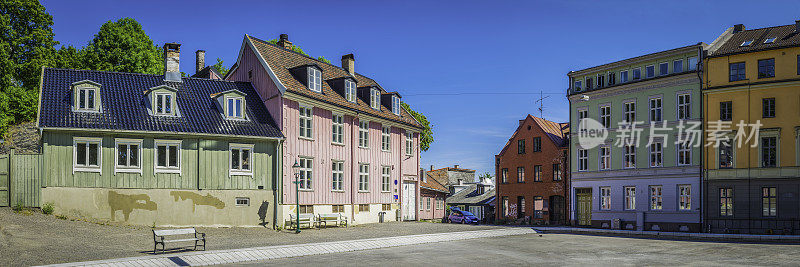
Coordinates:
(352, 174)
(277, 182)
(700, 71)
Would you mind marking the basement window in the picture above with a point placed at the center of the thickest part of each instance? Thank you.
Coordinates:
(242, 201)
(746, 43)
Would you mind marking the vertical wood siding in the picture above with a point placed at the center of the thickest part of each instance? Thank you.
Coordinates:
(261, 81)
(26, 180)
(4, 194)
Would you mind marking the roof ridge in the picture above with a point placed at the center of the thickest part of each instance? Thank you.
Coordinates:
(143, 74)
(770, 27)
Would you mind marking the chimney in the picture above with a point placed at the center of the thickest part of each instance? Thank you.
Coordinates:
(284, 42)
(200, 63)
(172, 60)
(738, 28)
(349, 63)
(455, 166)
(431, 167)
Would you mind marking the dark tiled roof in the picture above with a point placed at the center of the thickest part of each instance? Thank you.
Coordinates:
(282, 60)
(785, 36)
(208, 73)
(123, 105)
(470, 195)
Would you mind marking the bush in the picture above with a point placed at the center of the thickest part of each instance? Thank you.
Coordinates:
(18, 207)
(48, 208)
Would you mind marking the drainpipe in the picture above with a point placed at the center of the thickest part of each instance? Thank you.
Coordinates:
(277, 182)
(700, 72)
(352, 163)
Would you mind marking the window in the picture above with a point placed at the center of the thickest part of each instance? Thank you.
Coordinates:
(521, 146)
(87, 154)
(605, 158)
(307, 209)
(600, 81)
(242, 201)
(504, 175)
(605, 116)
(520, 174)
(537, 173)
(363, 177)
(770, 40)
(538, 207)
(605, 198)
(677, 66)
(337, 208)
(692, 63)
(505, 207)
(583, 159)
(577, 85)
(350, 90)
(388, 207)
(655, 109)
(769, 151)
(520, 206)
(337, 168)
(428, 203)
(737, 72)
(650, 71)
(306, 173)
(766, 68)
(409, 143)
(629, 110)
(363, 134)
(421, 203)
(629, 156)
(557, 175)
(582, 114)
(768, 107)
(769, 202)
(725, 155)
(684, 153)
(386, 178)
(589, 83)
(306, 122)
(128, 156)
(314, 79)
(537, 144)
(663, 68)
(612, 79)
(439, 203)
(637, 74)
(630, 197)
(684, 106)
(623, 76)
(363, 207)
(726, 111)
(656, 157)
(684, 197)
(86, 99)
(235, 107)
(655, 197)
(726, 201)
(337, 129)
(240, 159)
(395, 105)
(375, 98)
(746, 43)
(386, 138)
(168, 154)
(163, 104)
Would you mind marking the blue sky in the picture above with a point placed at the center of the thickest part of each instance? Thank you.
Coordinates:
(473, 67)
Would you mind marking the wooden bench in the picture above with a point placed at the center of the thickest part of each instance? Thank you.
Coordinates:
(305, 218)
(336, 218)
(159, 237)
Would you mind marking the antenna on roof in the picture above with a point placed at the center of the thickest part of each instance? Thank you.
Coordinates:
(541, 103)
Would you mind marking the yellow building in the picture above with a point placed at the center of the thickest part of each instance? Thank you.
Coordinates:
(753, 76)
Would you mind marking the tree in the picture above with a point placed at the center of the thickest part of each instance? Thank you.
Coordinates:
(426, 137)
(123, 46)
(485, 175)
(220, 67)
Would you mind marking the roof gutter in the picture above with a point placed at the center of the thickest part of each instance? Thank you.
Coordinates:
(161, 133)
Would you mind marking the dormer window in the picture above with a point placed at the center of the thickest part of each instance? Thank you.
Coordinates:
(235, 109)
(162, 100)
(86, 96)
(231, 104)
(314, 79)
(350, 90)
(163, 104)
(375, 98)
(395, 105)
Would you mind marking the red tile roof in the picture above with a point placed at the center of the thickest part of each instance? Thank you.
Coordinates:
(558, 132)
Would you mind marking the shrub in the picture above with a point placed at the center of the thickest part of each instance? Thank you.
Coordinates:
(18, 206)
(48, 208)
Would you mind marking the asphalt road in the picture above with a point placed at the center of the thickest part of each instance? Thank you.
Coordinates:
(560, 250)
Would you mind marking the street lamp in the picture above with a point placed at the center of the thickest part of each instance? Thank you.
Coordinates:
(296, 169)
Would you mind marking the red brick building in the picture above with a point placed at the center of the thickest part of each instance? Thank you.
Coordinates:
(532, 173)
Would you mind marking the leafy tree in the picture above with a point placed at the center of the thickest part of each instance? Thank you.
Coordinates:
(426, 137)
(220, 67)
(67, 57)
(323, 59)
(294, 47)
(485, 175)
(123, 46)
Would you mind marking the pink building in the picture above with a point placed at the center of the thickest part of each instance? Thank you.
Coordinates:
(433, 194)
(357, 147)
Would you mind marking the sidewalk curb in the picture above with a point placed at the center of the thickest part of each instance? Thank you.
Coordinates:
(791, 239)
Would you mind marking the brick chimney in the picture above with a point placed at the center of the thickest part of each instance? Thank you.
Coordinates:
(349, 63)
(283, 41)
(200, 63)
(172, 60)
(738, 28)
(431, 167)
(455, 166)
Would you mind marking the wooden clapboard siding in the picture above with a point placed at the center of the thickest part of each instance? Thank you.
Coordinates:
(4, 190)
(26, 180)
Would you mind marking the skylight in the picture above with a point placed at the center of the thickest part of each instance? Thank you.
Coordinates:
(769, 40)
(746, 43)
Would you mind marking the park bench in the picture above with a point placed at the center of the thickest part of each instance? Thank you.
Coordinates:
(336, 218)
(182, 236)
(305, 218)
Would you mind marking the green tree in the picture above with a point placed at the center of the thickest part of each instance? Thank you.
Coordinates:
(123, 46)
(220, 67)
(67, 57)
(323, 59)
(426, 137)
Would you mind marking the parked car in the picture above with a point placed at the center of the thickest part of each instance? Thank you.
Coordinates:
(462, 216)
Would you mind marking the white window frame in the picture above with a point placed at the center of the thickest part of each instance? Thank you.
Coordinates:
(386, 179)
(691, 66)
(306, 121)
(605, 198)
(127, 168)
(520, 174)
(375, 98)
(242, 201)
(629, 111)
(85, 97)
(363, 177)
(386, 138)
(633, 71)
(659, 69)
(337, 129)
(646, 76)
(231, 100)
(306, 170)
(583, 160)
(395, 105)
(409, 143)
(240, 170)
(630, 197)
(363, 134)
(656, 149)
(677, 62)
(733, 153)
(627, 76)
(652, 109)
(163, 103)
(605, 114)
(682, 148)
(684, 197)
(350, 90)
(629, 155)
(604, 159)
(87, 167)
(656, 197)
(683, 100)
(167, 169)
(314, 79)
(337, 175)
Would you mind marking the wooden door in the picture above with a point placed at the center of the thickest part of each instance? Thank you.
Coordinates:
(409, 204)
(584, 203)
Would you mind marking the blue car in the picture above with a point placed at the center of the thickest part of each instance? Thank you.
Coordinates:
(461, 216)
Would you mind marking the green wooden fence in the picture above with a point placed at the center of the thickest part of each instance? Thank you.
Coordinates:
(21, 179)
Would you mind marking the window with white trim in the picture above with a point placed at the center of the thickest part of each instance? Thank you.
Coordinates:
(363, 177)
(605, 198)
(630, 197)
(386, 178)
(520, 174)
(677, 66)
(636, 74)
(663, 68)
(128, 157)
(623, 76)
(605, 158)
(650, 71)
(87, 154)
(684, 106)
(337, 168)
(656, 155)
(395, 105)
(306, 122)
(363, 134)
(692, 63)
(684, 197)
(350, 90)
(306, 173)
(655, 197)
(629, 110)
(629, 152)
(605, 115)
(375, 98)
(168, 156)
(684, 153)
(241, 159)
(163, 104)
(583, 159)
(409, 143)
(655, 109)
(235, 107)
(337, 129)
(314, 79)
(86, 99)
(386, 138)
